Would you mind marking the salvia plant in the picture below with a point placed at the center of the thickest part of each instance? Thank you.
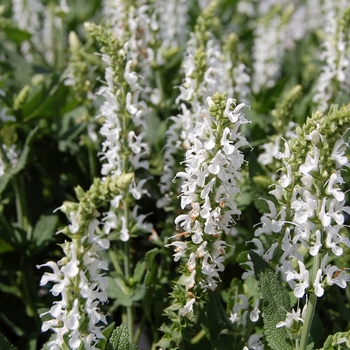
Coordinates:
(173, 174)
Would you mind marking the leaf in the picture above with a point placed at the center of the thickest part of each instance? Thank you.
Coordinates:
(152, 268)
(275, 303)
(17, 35)
(214, 321)
(5, 247)
(124, 294)
(139, 271)
(46, 100)
(337, 341)
(22, 161)
(5, 344)
(107, 332)
(44, 230)
(119, 339)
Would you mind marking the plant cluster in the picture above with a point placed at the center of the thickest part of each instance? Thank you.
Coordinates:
(173, 174)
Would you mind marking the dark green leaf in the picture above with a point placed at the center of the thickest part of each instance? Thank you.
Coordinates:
(152, 267)
(215, 322)
(275, 303)
(102, 343)
(5, 247)
(5, 344)
(44, 230)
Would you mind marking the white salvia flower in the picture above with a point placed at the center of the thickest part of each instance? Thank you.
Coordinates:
(254, 314)
(188, 307)
(302, 277)
(81, 267)
(269, 221)
(220, 75)
(254, 342)
(335, 55)
(120, 113)
(293, 318)
(209, 187)
(309, 190)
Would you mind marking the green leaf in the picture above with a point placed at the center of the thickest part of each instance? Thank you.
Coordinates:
(214, 320)
(275, 303)
(124, 294)
(45, 100)
(22, 161)
(44, 230)
(5, 247)
(119, 339)
(5, 344)
(102, 343)
(139, 271)
(152, 267)
(337, 341)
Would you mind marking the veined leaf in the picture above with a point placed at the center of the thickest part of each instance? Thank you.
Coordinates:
(5, 344)
(119, 339)
(275, 303)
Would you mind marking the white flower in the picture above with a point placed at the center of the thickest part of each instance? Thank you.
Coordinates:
(254, 314)
(302, 277)
(318, 287)
(335, 192)
(338, 154)
(269, 222)
(188, 307)
(311, 162)
(293, 317)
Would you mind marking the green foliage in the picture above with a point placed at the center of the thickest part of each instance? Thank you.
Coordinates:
(275, 303)
(5, 344)
(124, 293)
(119, 339)
(12, 171)
(337, 341)
(215, 322)
(50, 113)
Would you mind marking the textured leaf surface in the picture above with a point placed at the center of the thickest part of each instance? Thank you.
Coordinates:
(5, 344)
(119, 339)
(275, 303)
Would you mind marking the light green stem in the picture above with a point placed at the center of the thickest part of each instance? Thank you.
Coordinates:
(198, 337)
(310, 307)
(127, 274)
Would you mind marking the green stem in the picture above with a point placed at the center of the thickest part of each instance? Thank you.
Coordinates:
(21, 207)
(127, 274)
(198, 337)
(115, 261)
(91, 161)
(311, 307)
(25, 290)
(308, 321)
